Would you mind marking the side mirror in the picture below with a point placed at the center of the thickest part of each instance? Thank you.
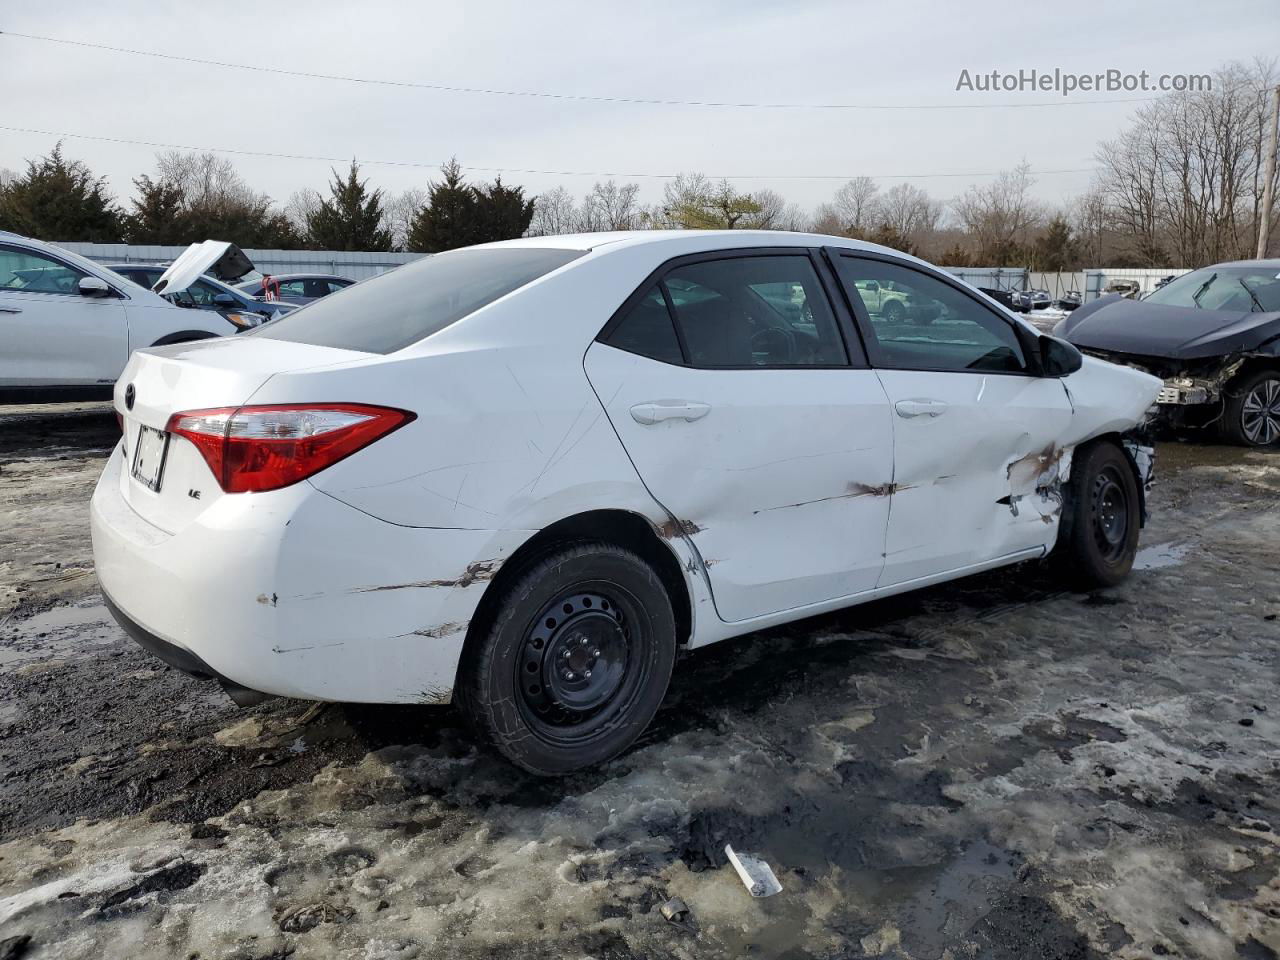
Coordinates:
(93, 287)
(224, 300)
(1058, 358)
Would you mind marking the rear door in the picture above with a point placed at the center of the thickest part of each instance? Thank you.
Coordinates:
(52, 334)
(975, 426)
(738, 388)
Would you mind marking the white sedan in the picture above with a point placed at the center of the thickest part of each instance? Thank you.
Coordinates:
(534, 471)
(68, 325)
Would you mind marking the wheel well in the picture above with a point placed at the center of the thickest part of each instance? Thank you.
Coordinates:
(618, 527)
(1251, 366)
(1116, 440)
(183, 336)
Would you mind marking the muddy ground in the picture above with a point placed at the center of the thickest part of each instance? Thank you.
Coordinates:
(994, 768)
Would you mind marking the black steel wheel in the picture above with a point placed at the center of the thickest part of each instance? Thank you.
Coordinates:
(1101, 517)
(1109, 511)
(575, 662)
(574, 674)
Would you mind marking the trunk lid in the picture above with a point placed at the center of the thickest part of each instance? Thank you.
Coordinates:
(224, 260)
(173, 483)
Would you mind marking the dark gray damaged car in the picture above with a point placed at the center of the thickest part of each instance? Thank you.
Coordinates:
(1212, 336)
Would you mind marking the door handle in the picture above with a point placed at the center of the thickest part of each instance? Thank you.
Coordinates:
(920, 408)
(656, 412)
(10, 309)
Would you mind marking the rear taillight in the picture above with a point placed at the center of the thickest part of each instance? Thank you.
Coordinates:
(256, 448)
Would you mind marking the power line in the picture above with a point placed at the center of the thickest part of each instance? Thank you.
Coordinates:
(63, 134)
(580, 97)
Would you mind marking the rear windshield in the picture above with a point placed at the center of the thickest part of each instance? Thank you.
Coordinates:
(389, 312)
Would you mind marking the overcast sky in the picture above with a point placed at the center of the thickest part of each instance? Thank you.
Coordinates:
(729, 50)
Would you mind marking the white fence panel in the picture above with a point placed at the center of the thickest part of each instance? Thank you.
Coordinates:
(356, 265)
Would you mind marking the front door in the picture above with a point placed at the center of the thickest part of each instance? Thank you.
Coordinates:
(755, 425)
(974, 425)
(52, 334)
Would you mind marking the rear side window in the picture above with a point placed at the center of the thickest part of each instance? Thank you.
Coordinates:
(390, 312)
(647, 330)
(767, 311)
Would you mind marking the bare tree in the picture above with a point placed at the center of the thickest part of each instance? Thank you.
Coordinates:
(613, 206)
(854, 210)
(909, 212)
(1183, 182)
(1093, 224)
(773, 207)
(1001, 215)
(398, 212)
(205, 179)
(554, 213)
(7, 177)
(301, 207)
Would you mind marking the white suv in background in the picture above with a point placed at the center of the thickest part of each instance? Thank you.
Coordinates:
(69, 325)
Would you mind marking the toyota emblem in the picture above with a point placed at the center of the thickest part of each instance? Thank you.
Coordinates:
(129, 395)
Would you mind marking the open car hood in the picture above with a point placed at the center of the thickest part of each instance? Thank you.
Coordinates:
(224, 260)
(1118, 325)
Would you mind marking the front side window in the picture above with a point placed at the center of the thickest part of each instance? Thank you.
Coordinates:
(30, 272)
(768, 311)
(918, 322)
(201, 293)
(292, 288)
(405, 305)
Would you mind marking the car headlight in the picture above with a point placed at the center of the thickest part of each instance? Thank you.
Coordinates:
(244, 320)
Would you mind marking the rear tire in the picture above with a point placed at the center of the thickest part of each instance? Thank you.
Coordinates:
(1251, 410)
(575, 662)
(1098, 538)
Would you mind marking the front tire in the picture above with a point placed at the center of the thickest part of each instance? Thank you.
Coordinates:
(1098, 538)
(1251, 415)
(575, 663)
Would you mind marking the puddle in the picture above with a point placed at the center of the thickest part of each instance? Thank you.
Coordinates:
(1161, 555)
(61, 630)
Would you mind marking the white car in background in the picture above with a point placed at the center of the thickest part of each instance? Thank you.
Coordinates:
(536, 470)
(69, 325)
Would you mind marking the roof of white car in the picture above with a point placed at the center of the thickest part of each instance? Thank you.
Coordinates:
(707, 239)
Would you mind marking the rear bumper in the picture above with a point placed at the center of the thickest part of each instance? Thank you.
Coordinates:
(180, 659)
(293, 593)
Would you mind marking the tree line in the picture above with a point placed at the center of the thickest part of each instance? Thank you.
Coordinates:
(194, 196)
(1180, 186)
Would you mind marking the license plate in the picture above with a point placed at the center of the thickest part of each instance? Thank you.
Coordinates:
(148, 457)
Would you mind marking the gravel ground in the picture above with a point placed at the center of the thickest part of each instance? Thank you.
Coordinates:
(993, 768)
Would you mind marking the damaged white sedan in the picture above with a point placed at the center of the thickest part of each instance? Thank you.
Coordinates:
(529, 473)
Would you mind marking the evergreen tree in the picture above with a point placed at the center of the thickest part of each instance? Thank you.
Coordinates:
(351, 219)
(502, 212)
(157, 210)
(448, 220)
(60, 199)
(1055, 251)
